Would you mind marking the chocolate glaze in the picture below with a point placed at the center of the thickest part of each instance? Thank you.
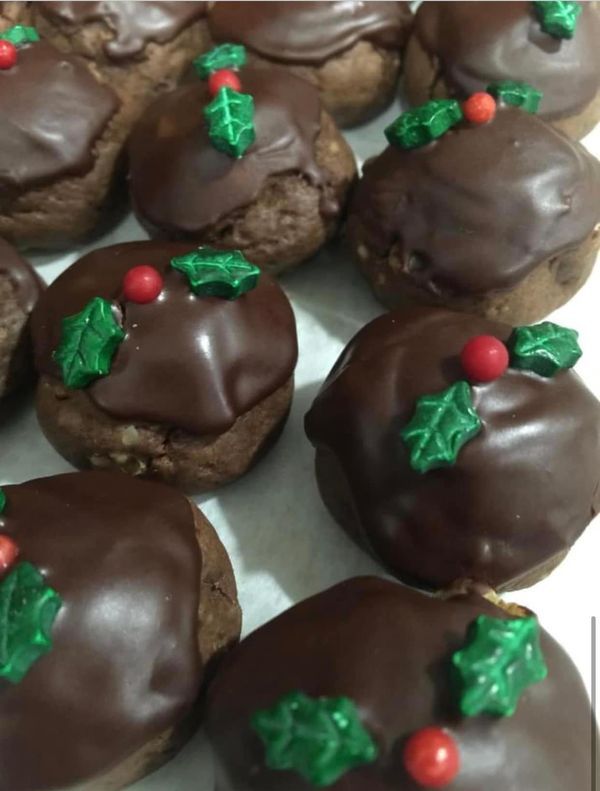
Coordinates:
(511, 501)
(477, 43)
(180, 184)
(25, 281)
(478, 209)
(52, 111)
(125, 665)
(133, 25)
(195, 363)
(308, 32)
(388, 649)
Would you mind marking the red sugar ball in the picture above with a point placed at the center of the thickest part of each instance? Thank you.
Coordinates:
(484, 358)
(479, 108)
(8, 552)
(142, 284)
(431, 758)
(223, 78)
(8, 54)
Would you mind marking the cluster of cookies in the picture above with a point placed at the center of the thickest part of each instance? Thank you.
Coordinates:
(446, 434)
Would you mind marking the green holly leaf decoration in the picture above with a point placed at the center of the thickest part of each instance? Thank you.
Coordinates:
(558, 18)
(217, 273)
(88, 343)
(225, 56)
(441, 425)
(28, 608)
(2, 500)
(19, 35)
(320, 738)
(518, 94)
(544, 348)
(230, 119)
(420, 126)
(500, 660)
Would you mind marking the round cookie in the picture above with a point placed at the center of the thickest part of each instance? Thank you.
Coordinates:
(60, 139)
(20, 288)
(458, 48)
(278, 200)
(120, 602)
(442, 480)
(351, 51)
(500, 219)
(389, 654)
(140, 48)
(189, 388)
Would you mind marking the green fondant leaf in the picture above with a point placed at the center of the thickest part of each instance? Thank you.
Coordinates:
(19, 35)
(88, 343)
(230, 119)
(518, 94)
(320, 738)
(423, 124)
(441, 425)
(500, 660)
(28, 608)
(2, 500)
(558, 18)
(225, 56)
(544, 348)
(217, 273)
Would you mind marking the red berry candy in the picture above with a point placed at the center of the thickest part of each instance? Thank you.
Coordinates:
(431, 758)
(223, 78)
(8, 54)
(8, 552)
(479, 108)
(142, 284)
(484, 358)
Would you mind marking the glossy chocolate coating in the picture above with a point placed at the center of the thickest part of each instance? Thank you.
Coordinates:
(52, 111)
(308, 32)
(125, 665)
(180, 184)
(133, 24)
(478, 209)
(23, 277)
(388, 649)
(509, 504)
(480, 42)
(195, 363)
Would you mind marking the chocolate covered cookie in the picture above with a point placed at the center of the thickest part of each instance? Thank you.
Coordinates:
(446, 444)
(351, 51)
(118, 600)
(61, 134)
(20, 288)
(165, 362)
(140, 48)
(483, 208)
(458, 48)
(370, 686)
(258, 166)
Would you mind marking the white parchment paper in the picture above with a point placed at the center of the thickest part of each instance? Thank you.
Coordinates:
(283, 544)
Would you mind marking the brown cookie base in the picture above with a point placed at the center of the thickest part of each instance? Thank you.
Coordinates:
(16, 364)
(423, 80)
(551, 284)
(88, 437)
(219, 626)
(287, 222)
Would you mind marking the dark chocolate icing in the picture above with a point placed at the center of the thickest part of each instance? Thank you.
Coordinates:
(23, 277)
(476, 210)
(388, 649)
(125, 664)
(180, 184)
(479, 42)
(52, 111)
(510, 503)
(133, 24)
(195, 363)
(309, 32)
